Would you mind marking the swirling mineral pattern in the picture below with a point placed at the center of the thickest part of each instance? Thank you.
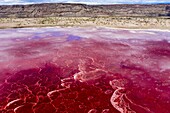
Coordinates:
(84, 70)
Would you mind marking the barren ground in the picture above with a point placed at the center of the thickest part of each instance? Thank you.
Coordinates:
(115, 22)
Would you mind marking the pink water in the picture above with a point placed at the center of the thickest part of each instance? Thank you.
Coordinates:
(84, 70)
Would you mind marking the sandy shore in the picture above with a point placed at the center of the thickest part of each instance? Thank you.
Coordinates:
(114, 22)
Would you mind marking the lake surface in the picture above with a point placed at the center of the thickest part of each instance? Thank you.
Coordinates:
(84, 70)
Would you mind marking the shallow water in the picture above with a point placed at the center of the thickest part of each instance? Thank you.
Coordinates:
(89, 70)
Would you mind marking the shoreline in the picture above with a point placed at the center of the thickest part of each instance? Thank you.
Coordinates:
(113, 28)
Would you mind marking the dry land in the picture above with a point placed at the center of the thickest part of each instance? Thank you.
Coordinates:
(115, 22)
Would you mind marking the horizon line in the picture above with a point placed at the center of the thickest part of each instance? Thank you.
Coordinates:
(88, 3)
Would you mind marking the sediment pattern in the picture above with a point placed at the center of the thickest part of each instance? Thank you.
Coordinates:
(88, 70)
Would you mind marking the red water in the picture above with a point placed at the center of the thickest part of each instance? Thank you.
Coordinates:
(59, 73)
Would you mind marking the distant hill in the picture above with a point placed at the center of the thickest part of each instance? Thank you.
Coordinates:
(82, 10)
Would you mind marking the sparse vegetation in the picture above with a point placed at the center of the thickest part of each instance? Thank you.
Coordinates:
(122, 22)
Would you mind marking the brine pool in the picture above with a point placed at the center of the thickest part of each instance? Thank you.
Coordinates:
(84, 70)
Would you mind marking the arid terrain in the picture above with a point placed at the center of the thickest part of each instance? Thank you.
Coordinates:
(82, 10)
(119, 16)
(114, 22)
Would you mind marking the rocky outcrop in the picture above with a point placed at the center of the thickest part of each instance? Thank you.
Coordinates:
(82, 10)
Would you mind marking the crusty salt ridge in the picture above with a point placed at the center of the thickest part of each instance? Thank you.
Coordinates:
(107, 71)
